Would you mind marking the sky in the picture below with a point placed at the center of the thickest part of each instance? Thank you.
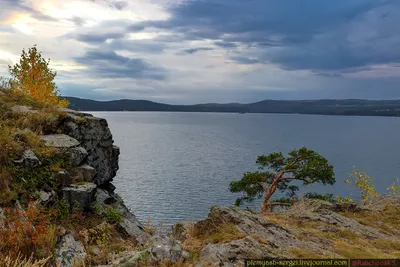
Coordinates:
(201, 51)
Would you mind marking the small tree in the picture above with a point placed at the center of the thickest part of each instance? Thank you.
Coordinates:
(302, 165)
(33, 76)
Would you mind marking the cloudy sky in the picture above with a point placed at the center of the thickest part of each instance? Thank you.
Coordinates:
(197, 51)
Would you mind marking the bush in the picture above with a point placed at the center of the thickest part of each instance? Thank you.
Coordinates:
(365, 185)
(113, 215)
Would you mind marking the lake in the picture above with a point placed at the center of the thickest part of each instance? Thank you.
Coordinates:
(175, 166)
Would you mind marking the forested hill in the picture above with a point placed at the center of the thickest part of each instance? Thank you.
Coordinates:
(323, 107)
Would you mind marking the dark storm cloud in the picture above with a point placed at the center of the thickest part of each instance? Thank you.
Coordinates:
(307, 34)
(108, 64)
(194, 50)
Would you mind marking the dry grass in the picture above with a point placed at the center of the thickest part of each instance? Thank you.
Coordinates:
(20, 261)
(388, 219)
(198, 237)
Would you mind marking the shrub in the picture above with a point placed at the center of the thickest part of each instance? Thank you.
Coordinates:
(365, 185)
(113, 215)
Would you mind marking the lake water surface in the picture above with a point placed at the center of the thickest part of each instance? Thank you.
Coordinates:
(175, 166)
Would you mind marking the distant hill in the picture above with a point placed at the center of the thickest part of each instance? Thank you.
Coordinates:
(324, 106)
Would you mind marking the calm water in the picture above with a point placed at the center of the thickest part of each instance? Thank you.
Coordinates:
(175, 166)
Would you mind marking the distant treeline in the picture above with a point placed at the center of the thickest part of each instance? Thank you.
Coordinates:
(323, 107)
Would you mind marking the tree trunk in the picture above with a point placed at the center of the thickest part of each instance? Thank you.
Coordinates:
(265, 205)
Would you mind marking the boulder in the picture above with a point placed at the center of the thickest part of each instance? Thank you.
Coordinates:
(235, 252)
(164, 249)
(77, 155)
(80, 196)
(28, 160)
(59, 141)
(83, 173)
(70, 253)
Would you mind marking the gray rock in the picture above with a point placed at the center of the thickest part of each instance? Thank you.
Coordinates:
(59, 141)
(83, 173)
(80, 196)
(103, 197)
(70, 252)
(45, 196)
(28, 160)
(235, 252)
(77, 155)
(23, 109)
(164, 249)
(131, 227)
(63, 178)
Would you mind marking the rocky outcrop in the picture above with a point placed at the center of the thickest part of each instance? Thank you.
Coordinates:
(95, 137)
(80, 197)
(70, 252)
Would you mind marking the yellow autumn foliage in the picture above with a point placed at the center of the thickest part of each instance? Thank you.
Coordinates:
(32, 76)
